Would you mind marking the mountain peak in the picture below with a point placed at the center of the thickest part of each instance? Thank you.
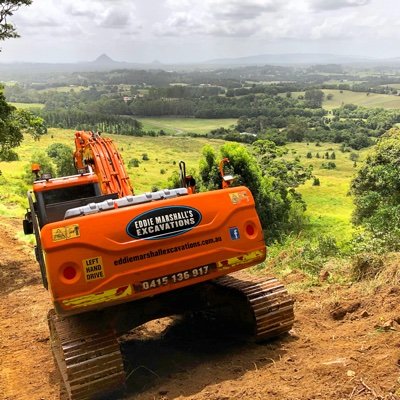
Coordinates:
(104, 59)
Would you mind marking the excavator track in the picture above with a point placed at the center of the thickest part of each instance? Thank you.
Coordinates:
(87, 355)
(268, 302)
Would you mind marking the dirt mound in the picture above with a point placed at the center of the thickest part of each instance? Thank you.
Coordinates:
(345, 345)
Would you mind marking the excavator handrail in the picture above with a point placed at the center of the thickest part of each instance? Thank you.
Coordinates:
(102, 156)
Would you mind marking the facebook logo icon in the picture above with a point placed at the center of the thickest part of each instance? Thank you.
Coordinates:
(234, 232)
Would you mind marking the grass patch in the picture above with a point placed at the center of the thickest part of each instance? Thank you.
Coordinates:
(178, 126)
(340, 97)
(64, 89)
(329, 206)
(360, 99)
(27, 106)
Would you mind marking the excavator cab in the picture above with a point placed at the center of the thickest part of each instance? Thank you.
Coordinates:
(51, 198)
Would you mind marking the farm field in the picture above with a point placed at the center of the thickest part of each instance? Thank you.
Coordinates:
(329, 206)
(185, 125)
(64, 89)
(27, 106)
(372, 100)
(360, 99)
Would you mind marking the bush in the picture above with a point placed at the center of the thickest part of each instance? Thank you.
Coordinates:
(9, 155)
(46, 166)
(315, 255)
(271, 179)
(376, 189)
(367, 266)
(145, 157)
(354, 156)
(134, 163)
(328, 165)
(63, 158)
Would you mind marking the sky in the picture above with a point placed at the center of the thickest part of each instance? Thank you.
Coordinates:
(188, 31)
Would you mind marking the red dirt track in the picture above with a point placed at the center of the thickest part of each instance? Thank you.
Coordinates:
(345, 345)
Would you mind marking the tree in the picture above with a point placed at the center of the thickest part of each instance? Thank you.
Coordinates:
(46, 166)
(10, 135)
(271, 179)
(296, 130)
(62, 156)
(13, 123)
(354, 156)
(7, 9)
(314, 98)
(377, 192)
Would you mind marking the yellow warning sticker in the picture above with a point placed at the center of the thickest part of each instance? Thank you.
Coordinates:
(240, 260)
(93, 268)
(98, 298)
(65, 233)
(238, 197)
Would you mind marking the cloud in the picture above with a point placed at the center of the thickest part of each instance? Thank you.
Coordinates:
(179, 24)
(325, 5)
(236, 30)
(239, 10)
(333, 28)
(39, 21)
(219, 18)
(80, 10)
(115, 18)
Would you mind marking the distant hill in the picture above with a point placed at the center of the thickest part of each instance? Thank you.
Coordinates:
(26, 71)
(104, 59)
(291, 59)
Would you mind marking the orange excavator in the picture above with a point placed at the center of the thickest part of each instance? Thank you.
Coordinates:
(113, 260)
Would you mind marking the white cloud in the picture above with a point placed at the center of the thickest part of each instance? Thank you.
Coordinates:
(115, 18)
(237, 10)
(179, 24)
(337, 4)
(333, 28)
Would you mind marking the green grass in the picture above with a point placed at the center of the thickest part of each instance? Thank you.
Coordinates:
(360, 99)
(185, 125)
(342, 82)
(329, 206)
(393, 85)
(372, 100)
(64, 89)
(28, 106)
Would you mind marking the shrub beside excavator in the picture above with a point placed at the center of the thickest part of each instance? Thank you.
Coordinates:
(112, 260)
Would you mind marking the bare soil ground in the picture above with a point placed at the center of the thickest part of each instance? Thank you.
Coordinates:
(345, 344)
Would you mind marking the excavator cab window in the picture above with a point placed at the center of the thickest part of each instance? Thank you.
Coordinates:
(51, 205)
(69, 193)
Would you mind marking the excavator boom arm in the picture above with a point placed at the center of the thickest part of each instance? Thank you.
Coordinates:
(102, 156)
